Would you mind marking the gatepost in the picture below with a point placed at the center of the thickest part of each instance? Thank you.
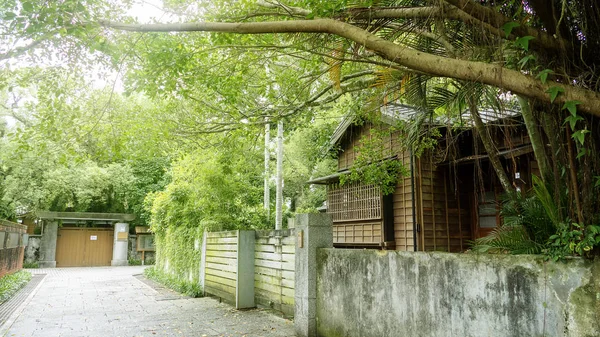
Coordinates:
(313, 231)
(48, 244)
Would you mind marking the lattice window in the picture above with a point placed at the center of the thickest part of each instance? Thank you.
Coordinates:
(354, 202)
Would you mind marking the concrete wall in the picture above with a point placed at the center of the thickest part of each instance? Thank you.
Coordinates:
(386, 293)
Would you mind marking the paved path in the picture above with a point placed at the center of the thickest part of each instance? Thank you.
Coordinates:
(112, 302)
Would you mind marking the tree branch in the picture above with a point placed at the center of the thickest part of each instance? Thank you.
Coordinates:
(491, 74)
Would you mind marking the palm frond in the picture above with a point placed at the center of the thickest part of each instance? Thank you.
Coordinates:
(507, 240)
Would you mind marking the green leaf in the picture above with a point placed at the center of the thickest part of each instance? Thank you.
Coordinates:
(524, 60)
(571, 106)
(27, 6)
(543, 75)
(554, 91)
(508, 27)
(579, 136)
(523, 42)
(582, 152)
(9, 15)
(572, 120)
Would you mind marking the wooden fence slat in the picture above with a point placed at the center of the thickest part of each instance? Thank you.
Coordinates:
(211, 279)
(220, 273)
(228, 247)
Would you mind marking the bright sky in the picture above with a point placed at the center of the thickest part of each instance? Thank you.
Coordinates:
(146, 10)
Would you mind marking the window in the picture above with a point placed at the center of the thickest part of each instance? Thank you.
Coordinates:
(353, 202)
(487, 210)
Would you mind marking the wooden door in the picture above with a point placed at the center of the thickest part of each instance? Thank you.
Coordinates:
(84, 247)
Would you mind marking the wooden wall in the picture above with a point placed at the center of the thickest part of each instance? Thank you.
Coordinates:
(274, 270)
(444, 220)
(403, 209)
(221, 265)
(442, 210)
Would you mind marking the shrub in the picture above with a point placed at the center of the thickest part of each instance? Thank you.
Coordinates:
(10, 284)
(189, 288)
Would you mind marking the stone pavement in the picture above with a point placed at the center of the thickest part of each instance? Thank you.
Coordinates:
(111, 301)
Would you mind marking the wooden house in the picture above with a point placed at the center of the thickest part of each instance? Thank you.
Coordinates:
(449, 198)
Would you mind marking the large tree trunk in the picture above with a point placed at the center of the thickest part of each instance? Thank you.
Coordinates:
(488, 144)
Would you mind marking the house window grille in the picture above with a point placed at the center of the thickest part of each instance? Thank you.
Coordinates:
(354, 202)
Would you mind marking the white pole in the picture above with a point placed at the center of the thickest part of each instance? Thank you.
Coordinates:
(267, 195)
(279, 197)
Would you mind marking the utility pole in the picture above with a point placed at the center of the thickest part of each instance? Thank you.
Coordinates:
(279, 191)
(267, 194)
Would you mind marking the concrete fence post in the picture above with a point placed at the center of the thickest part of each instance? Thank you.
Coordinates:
(48, 245)
(244, 285)
(313, 231)
(202, 275)
(120, 244)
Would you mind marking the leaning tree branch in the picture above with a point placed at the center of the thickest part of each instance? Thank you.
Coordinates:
(473, 71)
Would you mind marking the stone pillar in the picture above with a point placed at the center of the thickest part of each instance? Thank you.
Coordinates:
(48, 245)
(244, 283)
(313, 231)
(120, 244)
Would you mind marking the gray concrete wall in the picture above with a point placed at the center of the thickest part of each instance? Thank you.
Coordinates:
(387, 293)
(48, 245)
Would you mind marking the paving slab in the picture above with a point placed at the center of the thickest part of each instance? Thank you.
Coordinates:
(113, 301)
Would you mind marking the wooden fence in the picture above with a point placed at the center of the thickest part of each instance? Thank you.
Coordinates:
(234, 261)
(220, 269)
(274, 270)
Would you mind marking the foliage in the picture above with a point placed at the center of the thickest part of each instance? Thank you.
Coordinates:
(574, 239)
(29, 265)
(531, 225)
(10, 284)
(177, 253)
(182, 286)
(306, 157)
(373, 164)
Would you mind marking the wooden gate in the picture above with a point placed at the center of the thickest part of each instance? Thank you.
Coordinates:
(84, 247)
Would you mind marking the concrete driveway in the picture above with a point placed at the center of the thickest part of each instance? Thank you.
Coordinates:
(113, 301)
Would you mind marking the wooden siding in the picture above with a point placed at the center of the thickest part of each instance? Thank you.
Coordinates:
(351, 141)
(358, 233)
(221, 265)
(274, 270)
(403, 209)
(443, 219)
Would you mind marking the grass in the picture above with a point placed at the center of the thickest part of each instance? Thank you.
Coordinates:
(10, 284)
(181, 286)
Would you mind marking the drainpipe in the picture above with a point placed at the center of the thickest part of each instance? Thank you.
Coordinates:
(414, 212)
